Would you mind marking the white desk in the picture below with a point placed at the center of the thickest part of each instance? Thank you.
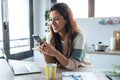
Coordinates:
(7, 74)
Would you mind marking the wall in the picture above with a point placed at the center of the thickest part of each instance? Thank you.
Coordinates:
(95, 32)
(39, 23)
(40, 6)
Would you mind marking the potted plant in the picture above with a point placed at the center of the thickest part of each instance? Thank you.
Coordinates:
(47, 20)
(114, 74)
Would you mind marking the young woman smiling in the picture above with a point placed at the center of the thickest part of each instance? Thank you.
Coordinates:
(66, 46)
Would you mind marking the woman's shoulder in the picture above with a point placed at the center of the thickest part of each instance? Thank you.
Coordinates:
(79, 41)
(79, 35)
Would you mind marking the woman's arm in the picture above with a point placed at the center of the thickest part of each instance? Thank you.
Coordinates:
(49, 59)
(68, 63)
(73, 64)
(50, 53)
(61, 58)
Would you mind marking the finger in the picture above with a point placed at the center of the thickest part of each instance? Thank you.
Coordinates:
(43, 45)
(44, 42)
(37, 44)
(35, 48)
(40, 51)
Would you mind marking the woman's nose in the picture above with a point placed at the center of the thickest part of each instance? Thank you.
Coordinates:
(53, 22)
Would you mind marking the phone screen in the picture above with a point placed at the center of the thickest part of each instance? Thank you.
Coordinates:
(37, 38)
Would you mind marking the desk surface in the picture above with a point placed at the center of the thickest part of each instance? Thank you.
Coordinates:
(7, 74)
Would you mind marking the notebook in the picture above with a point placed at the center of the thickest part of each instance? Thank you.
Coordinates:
(19, 68)
(78, 76)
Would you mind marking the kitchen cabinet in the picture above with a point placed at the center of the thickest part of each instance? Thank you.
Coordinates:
(105, 60)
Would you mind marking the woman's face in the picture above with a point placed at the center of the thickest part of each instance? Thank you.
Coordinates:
(57, 21)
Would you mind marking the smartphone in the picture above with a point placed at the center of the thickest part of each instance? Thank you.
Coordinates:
(37, 38)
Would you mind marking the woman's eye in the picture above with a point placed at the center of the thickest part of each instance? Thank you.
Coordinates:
(56, 19)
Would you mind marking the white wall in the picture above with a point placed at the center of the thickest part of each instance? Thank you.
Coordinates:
(95, 32)
(40, 6)
(39, 23)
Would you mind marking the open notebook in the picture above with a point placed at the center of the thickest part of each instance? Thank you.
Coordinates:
(20, 68)
(78, 76)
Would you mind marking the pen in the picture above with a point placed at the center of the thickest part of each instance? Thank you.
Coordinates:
(74, 77)
(110, 78)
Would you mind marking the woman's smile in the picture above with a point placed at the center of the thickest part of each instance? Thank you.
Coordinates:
(55, 28)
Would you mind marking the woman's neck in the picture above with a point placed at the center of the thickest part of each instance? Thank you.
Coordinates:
(62, 36)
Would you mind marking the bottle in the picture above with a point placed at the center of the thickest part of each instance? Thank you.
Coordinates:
(112, 43)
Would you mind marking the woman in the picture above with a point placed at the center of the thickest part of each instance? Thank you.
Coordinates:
(67, 41)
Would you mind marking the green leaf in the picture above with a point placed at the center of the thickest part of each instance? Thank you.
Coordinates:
(114, 72)
(117, 67)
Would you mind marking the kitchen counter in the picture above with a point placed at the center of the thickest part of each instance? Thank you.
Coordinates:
(112, 52)
(101, 59)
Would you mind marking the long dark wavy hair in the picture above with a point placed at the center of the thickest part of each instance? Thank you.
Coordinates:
(71, 29)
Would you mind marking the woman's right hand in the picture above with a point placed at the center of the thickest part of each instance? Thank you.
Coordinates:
(40, 47)
(47, 49)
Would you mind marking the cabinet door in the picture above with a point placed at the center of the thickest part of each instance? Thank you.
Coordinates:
(105, 61)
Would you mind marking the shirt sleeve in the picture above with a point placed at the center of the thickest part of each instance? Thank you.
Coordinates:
(78, 49)
(73, 64)
(78, 54)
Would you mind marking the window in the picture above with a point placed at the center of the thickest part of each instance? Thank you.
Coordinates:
(107, 8)
(97, 8)
(17, 28)
(19, 25)
(1, 32)
(78, 7)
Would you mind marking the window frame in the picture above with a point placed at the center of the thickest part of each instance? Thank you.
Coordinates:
(91, 10)
(6, 39)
